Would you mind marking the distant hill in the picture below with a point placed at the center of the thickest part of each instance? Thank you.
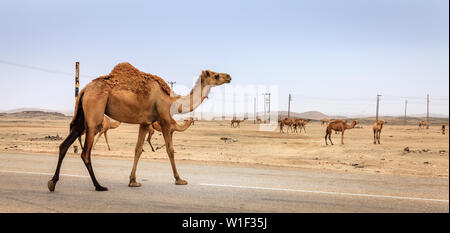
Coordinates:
(35, 114)
(17, 110)
(313, 115)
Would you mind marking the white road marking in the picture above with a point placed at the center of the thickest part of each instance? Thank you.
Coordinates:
(42, 173)
(324, 192)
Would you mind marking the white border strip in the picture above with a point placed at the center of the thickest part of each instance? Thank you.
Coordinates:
(323, 192)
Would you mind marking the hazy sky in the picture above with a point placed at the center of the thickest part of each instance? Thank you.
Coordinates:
(332, 56)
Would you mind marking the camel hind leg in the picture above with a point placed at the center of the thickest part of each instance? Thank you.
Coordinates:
(86, 157)
(73, 135)
(328, 134)
(76, 130)
(94, 105)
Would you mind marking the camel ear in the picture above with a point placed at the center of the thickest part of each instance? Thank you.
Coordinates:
(206, 73)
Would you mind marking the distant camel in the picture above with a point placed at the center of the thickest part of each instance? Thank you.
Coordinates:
(287, 121)
(443, 128)
(377, 127)
(156, 126)
(325, 121)
(236, 123)
(105, 126)
(338, 125)
(258, 120)
(300, 124)
(423, 124)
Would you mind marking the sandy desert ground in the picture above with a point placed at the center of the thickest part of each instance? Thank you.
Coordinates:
(428, 155)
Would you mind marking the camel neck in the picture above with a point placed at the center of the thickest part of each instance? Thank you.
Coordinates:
(188, 103)
(350, 126)
(182, 128)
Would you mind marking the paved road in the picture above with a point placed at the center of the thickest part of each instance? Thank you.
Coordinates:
(211, 188)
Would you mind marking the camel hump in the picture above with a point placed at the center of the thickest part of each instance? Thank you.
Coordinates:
(129, 77)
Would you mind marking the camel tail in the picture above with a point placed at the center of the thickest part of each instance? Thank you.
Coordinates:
(78, 116)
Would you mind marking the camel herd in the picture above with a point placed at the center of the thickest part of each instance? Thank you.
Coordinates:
(131, 96)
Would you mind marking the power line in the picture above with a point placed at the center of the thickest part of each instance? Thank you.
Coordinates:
(41, 69)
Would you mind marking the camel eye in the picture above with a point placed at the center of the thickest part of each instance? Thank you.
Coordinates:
(216, 76)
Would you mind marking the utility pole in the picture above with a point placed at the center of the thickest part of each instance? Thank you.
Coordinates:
(77, 78)
(378, 104)
(265, 102)
(77, 87)
(171, 84)
(254, 110)
(269, 106)
(428, 111)
(264, 107)
(406, 103)
(289, 106)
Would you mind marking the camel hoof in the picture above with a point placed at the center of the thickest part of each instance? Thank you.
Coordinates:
(181, 182)
(100, 188)
(134, 184)
(51, 185)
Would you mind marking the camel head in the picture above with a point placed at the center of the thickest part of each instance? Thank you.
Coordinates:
(355, 122)
(211, 78)
(190, 119)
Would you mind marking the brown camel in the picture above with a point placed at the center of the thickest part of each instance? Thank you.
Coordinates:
(443, 127)
(156, 126)
(377, 127)
(339, 126)
(106, 125)
(325, 121)
(423, 124)
(300, 124)
(258, 120)
(131, 96)
(287, 121)
(236, 123)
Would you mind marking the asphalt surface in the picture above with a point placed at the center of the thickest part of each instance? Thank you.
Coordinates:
(211, 188)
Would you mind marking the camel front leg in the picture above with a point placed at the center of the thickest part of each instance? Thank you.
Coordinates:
(168, 133)
(106, 139)
(151, 131)
(342, 137)
(98, 138)
(143, 129)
